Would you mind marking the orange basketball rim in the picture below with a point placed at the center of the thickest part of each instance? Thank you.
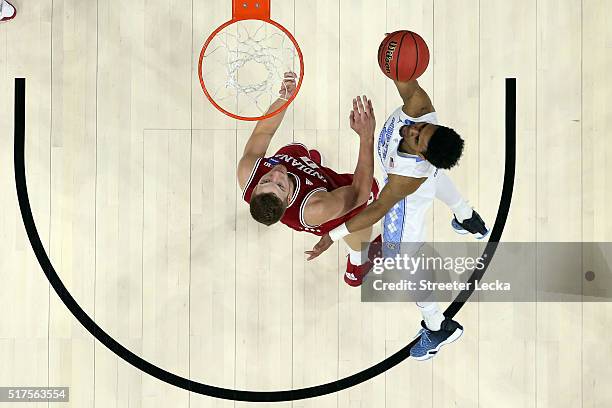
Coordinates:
(250, 10)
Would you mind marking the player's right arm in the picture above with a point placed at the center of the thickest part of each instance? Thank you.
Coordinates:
(260, 139)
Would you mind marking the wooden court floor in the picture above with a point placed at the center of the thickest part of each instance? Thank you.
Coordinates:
(131, 174)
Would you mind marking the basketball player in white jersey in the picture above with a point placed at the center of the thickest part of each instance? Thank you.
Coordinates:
(7, 11)
(412, 151)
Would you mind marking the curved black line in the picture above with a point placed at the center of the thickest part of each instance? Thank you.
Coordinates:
(187, 384)
(504, 204)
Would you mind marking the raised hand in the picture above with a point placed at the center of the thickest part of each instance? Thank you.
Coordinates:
(362, 118)
(288, 86)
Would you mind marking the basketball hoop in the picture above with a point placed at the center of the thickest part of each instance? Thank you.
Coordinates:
(242, 63)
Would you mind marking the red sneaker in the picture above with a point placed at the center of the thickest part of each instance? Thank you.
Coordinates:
(375, 249)
(8, 12)
(355, 273)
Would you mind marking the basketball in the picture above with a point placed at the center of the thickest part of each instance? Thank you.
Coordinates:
(403, 56)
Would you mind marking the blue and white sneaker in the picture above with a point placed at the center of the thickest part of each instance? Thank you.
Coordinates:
(474, 225)
(430, 341)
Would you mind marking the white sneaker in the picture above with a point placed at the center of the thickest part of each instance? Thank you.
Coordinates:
(7, 11)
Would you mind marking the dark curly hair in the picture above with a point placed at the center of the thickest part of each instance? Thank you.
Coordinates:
(267, 208)
(444, 148)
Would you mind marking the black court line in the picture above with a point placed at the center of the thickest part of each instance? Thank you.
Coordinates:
(504, 202)
(225, 393)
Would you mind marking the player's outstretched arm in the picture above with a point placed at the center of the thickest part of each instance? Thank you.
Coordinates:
(407, 89)
(396, 189)
(261, 137)
(416, 101)
(326, 206)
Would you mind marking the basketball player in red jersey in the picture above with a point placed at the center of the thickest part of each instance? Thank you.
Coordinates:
(294, 187)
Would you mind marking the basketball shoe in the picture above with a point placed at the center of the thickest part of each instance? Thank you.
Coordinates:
(431, 341)
(355, 273)
(474, 225)
(7, 11)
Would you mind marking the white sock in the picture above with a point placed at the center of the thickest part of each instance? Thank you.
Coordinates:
(432, 315)
(462, 211)
(358, 257)
(447, 192)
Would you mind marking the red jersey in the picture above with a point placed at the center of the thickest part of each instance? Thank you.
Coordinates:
(310, 177)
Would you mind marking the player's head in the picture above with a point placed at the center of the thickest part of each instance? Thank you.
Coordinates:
(439, 145)
(270, 197)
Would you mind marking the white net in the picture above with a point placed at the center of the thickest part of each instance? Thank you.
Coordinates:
(244, 64)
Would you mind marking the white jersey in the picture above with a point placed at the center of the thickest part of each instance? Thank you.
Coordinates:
(405, 222)
(392, 160)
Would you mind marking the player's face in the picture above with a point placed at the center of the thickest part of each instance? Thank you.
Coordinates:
(417, 136)
(275, 181)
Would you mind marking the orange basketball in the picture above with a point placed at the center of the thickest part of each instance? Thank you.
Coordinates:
(403, 56)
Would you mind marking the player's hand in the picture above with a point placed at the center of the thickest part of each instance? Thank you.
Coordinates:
(362, 118)
(323, 245)
(288, 86)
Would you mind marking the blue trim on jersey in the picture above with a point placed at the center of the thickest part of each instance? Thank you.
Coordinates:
(410, 156)
(393, 224)
(393, 231)
(385, 136)
(383, 139)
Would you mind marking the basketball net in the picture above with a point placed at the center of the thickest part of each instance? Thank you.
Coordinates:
(244, 66)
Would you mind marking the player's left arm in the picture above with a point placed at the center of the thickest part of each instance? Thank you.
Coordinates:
(396, 189)
(264, 131)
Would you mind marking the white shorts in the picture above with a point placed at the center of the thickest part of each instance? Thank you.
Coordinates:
(405, 222)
